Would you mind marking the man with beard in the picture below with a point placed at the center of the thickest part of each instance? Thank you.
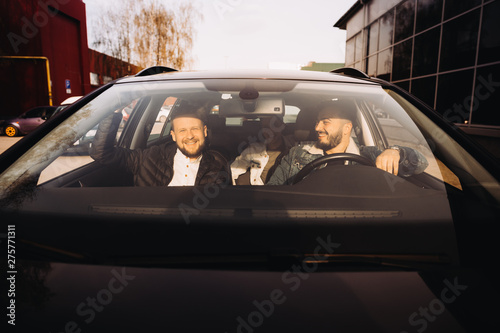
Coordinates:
(184, 162)
(333, 127)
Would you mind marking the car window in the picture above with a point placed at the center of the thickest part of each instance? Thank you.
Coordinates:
(161, 127)
(381, 119)
(35, 113)
(396, 131)
(456, 165)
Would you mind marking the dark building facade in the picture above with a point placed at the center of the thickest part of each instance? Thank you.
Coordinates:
(44, 55)
(446, 52)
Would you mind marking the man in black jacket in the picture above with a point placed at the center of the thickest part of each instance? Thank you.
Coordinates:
(183, 163)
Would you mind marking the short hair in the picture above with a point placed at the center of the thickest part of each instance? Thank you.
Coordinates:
(187, 109)
(339, 108)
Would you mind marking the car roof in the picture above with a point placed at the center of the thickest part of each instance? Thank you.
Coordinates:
(250, 74)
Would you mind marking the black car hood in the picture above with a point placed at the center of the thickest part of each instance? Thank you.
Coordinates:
(57, 297)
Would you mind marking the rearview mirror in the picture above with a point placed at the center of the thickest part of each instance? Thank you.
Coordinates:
(261, 107)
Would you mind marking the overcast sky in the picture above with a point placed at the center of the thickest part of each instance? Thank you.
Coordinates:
(263, 33)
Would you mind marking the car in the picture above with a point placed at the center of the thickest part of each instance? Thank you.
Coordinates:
(27, 121)
(348, 247)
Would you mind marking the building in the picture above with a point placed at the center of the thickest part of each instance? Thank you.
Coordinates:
(446, 52)
(44, 55)
(105, 68)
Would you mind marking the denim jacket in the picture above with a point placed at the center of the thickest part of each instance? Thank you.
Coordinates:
(411, 161)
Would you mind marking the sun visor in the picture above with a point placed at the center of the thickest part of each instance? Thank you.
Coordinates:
(254, 107)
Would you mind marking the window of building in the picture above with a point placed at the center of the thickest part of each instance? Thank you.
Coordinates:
(405, 18)
(429, 14)
(358, 52)
(372, 65)
(489, 43)
(384, 64)
(401, 65)
(386, 30)
(373, 38)
(403, 84)
(455, 7)
(425, 89)
(486, 96)
(459, 43)
(94, 79)
(425, 57)
(454, 95)
(106, 79)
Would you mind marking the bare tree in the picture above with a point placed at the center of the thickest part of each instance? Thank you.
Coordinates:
(112, 34)
(147, 33)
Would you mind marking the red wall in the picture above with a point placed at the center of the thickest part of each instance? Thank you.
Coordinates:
(106, 65)
(55, 29)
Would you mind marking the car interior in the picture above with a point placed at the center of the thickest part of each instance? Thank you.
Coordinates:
(233, 124)
(230, 130)
(233, 113)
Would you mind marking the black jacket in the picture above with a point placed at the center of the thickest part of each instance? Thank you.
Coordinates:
(153, 166)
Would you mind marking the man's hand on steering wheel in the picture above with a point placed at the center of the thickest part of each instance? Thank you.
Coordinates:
(388, 161)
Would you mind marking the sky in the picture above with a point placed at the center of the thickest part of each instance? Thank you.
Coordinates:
(261, 34)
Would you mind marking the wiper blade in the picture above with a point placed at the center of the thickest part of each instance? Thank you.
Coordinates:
(398, 260)
(284, 259)
(50, 251)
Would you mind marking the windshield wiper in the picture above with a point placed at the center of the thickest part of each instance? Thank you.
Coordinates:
(280, 260)
(397, 260)
(51, 252)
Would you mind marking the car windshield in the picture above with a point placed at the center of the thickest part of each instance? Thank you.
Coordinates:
(62, 173)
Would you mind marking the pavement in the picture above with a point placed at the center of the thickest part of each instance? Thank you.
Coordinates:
(6, 142)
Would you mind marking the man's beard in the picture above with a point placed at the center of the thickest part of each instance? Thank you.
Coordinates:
(333, 141)
(194, 154)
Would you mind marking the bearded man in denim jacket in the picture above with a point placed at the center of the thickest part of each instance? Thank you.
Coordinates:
(334, 125)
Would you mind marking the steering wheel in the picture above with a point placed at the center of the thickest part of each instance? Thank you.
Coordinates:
(306, 170)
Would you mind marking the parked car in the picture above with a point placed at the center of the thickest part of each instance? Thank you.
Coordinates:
(26, 122)
(348, 248)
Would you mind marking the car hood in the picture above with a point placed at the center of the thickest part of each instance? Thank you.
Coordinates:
(60, 297)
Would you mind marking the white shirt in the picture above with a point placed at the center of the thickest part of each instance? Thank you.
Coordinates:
(254, 157)
(185, 170)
